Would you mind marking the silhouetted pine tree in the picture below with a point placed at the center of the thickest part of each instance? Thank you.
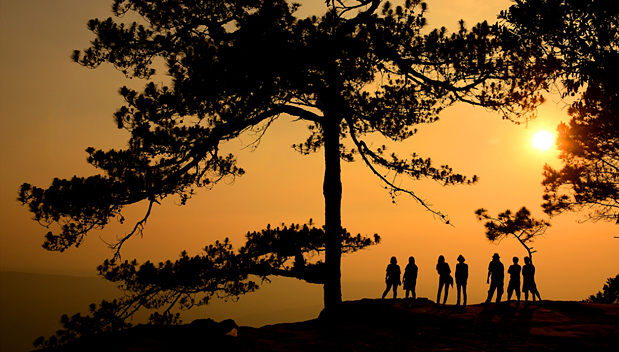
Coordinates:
(363, 68)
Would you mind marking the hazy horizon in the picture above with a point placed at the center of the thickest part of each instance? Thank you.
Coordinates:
(37, 301)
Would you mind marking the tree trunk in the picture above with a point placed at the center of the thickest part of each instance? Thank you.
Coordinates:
(332, 191)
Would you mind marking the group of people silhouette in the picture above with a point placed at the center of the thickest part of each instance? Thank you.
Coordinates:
(496, 276)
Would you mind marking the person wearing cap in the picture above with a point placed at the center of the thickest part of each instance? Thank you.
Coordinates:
(496, 274)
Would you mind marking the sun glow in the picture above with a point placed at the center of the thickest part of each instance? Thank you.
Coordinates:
(543, 140)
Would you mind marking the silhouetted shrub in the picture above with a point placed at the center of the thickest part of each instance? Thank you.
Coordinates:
(609, 293)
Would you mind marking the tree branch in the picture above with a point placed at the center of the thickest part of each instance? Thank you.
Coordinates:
(364, 150)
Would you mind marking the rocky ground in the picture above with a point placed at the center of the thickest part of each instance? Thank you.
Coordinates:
(388, 325)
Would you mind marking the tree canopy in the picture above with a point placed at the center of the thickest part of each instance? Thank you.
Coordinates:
(581, 44)
(521, 225)
(364, 67)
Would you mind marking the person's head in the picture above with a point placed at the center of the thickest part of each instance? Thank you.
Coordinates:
(496, 256)
(460, 259)
(394, 260)
(515, 260)
(527, 260)
(441, 259)
(411, 260)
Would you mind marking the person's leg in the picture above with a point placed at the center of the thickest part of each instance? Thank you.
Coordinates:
(536, 293)
(464, 294)
(499, 292)
(387, 290)
(406, 292)
(526, 295)
(440, 289)
(490, 292)
(446, 293)
(459, 288)
(395, 291)
(517, 287)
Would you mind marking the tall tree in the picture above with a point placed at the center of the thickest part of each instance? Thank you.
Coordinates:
(237, 65)
(581, 46)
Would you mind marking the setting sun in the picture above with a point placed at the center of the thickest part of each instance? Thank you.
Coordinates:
(543, 140)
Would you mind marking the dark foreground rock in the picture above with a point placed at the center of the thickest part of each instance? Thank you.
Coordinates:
(387, 325)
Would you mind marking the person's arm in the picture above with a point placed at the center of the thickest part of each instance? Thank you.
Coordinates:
(488, 279)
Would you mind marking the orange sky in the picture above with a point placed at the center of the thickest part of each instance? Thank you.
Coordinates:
(52, 109)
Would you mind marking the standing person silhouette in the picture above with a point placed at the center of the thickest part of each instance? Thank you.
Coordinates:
(410, 278)
(444, 279)
(392, 279)
(528, 280)
(496, 271)
(514, 280)
(462, 276)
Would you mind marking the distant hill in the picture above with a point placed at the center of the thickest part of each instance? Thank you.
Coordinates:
(31, 304)
(387, 325)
